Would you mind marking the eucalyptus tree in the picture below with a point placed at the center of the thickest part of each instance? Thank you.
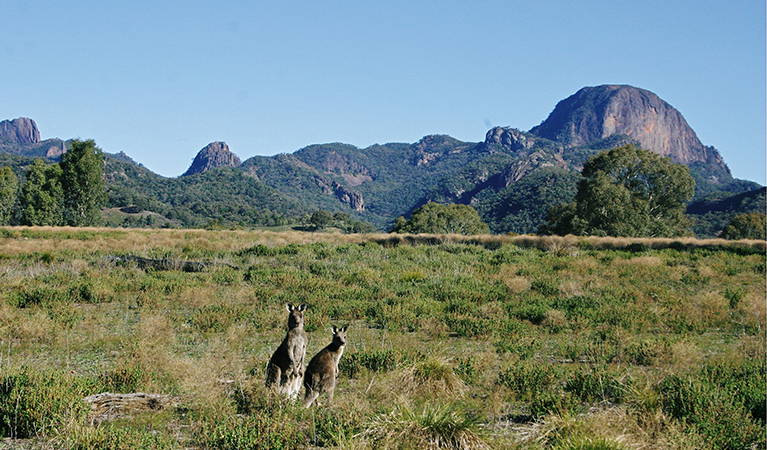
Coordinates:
(627, 191)
(82, 180)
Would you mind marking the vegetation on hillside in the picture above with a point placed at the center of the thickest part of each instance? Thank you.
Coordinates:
(713, 212)
(456, 342)
(512, 186)
(746, 226)
(626, 191)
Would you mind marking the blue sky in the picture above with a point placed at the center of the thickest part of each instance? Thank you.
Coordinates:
(159, 80)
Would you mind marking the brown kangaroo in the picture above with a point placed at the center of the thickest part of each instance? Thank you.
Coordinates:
(322, 371)
(286, 367)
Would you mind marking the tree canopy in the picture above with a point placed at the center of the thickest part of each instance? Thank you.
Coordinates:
(82, 180)
(746, 226)
(436, 218)
(626, 191)
(9, 186)
(41, 200)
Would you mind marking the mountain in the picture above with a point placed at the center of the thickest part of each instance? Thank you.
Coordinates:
(21, 137)
(20, 131)
(214, 155)
(598, 112)
(512, 177)
(595, 113)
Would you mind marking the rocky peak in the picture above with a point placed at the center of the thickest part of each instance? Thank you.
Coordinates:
(598, 112)
(20, 131)
(511, 139)
(215, 154)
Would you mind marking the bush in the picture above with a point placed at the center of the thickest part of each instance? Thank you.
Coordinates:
(544, 403)
(125, 378)
(114, 437)
(375, 360)
(596, 385)
(529, 377)
(35, 404)
(717, 414)
(254, 432)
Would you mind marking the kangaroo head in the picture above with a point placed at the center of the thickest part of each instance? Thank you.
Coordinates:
(295, 315)
(339, 335)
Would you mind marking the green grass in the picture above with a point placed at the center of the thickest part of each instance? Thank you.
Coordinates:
(455, 343)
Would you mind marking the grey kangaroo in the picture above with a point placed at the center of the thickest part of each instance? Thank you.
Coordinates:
(286, 367)
(322, 371)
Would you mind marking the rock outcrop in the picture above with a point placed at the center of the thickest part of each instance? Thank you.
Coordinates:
(20, 131)
(510, 139)
(351, 198)
(525, 166)
(595, 113)
(215, 154)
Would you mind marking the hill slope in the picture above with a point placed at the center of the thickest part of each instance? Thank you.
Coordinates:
(511, 177)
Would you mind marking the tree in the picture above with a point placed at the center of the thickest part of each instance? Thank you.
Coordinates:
(321, 219)
(41, 200)
(746, 226)
(83, 183)
(436, 218)
(626, 191)
(9, 187)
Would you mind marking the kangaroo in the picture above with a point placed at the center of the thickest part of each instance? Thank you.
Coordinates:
(286, 366)
(322, 371)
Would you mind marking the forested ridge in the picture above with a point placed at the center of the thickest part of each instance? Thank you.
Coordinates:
(512, 178)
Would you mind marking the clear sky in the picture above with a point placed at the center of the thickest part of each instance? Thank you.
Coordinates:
(159, 80)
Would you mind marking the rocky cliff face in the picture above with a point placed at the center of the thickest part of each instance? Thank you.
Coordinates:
(510, 139)
(595, 113)
(215, 154)
(346, 196)
(20, 131)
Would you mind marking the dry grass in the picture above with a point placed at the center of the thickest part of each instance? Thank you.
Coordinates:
(22, 240)
(432, 377)
(432, 427)
(613, 428)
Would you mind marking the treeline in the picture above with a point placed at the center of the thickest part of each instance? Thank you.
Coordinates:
(70, 192)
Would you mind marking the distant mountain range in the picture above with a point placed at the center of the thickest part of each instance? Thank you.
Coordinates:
(512, 177)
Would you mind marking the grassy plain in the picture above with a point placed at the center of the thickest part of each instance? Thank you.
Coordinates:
(454, 342)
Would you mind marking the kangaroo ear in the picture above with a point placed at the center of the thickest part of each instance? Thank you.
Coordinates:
(289, 307)
(346, 327)
(335, 330)
(302, 307)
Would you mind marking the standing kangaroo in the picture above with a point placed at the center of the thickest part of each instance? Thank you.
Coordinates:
(322, 371)
(286, 367)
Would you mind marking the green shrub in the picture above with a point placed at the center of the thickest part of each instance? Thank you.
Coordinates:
(585, 443)
(259, 431)
(529, 377)
(114, 437)
(716, 413)
(37, 404)
(225, 275)
(374, 360)
(552, 402)
(646, 352)
(596, 385)
(35, 294)
(126, 377)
